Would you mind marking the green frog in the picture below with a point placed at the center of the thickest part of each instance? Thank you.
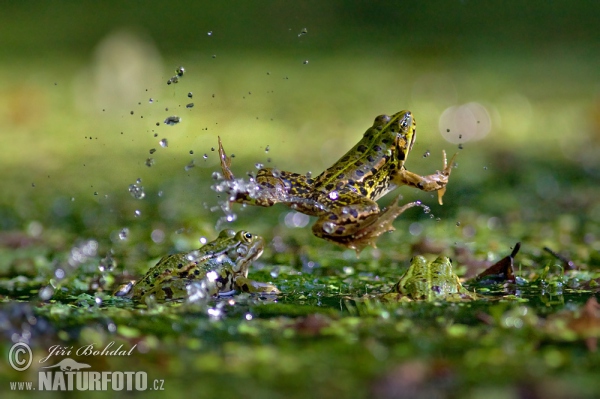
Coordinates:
(221, 266)
(429, 281)
(344, 196)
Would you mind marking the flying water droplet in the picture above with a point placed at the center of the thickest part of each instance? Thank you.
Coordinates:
(190, 165)
(150, 101)
(174, 79)
(164, 143)
(303, 32)
(172, 120)
(259, 165)
(267, 149)
(149, 162)
(209, 33)
(427, 153)
(152, 151)
(137, 191)
(123, 233)
(205, 156)
(305, 62)
(137, 213)
(107, 264)
(180, 71)
(190, 105)
(190, 94)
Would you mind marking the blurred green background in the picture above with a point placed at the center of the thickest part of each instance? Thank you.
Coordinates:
(305, 79)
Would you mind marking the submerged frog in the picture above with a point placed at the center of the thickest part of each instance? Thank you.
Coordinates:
(221, 264)
(343, 196)
(429, 281)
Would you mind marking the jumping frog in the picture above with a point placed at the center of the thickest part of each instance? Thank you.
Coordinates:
(343, 196)
(222, 264)
(429, 281)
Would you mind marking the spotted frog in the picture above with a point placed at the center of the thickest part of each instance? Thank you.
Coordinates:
(221, 265)
(429, 281)
(343, 196)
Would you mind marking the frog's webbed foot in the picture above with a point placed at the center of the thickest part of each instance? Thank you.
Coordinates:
(225, 162)
(445, 172)
(246, 285)
(434, 182)
(367, 231)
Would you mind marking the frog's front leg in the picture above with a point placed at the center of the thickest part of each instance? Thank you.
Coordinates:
(434, 182)
(358, 224)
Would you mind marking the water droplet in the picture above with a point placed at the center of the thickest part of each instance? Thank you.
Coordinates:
(150, 101)
(136, 191)
(214, 56)
(305, 62)
(304, 31)
(333, 195)
(123, 233)
(46, 293)
(485, 168)
(427, 153)
(174, 79)
(107, 263)
(190, 105)
(205, 156)
(460, 146)
(164, 143)
(190, 94)
(308, 174)
(160, 193)
(190, 165)
(180, 71)
(131, 112)
(137, 213)
(157, 236)
(259, 165)
(328, 227)
(275, 173)
(267, 149)
(248, 316)
(203, 240)
(152, 151)
(149, 162)
(209, 33)
(172, 120)
(457, 224)
(216, 176)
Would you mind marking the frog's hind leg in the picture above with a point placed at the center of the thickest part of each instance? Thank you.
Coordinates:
(356, 232)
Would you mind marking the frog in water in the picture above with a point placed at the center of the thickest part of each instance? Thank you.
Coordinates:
(221, 264)
(429, 281)
(343, 196)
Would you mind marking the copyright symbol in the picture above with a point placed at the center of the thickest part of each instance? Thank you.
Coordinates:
(20, 356)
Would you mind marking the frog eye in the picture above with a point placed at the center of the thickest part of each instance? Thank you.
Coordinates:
(248, 236)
